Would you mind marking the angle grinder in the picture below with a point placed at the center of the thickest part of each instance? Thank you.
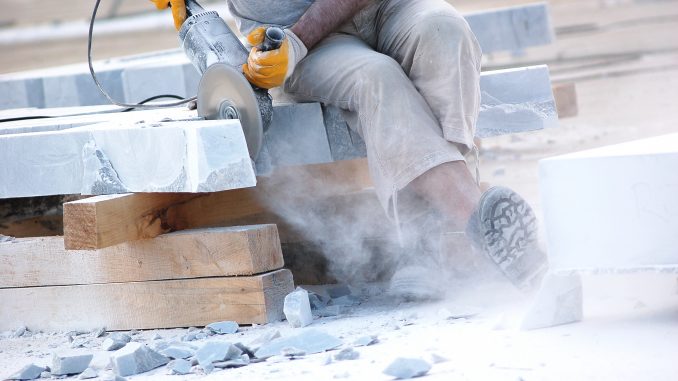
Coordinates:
(224, 92)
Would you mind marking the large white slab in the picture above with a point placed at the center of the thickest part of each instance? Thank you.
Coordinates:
(614, 207)
(197, 156)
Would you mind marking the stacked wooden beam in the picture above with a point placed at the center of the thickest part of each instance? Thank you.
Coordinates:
(187, 278)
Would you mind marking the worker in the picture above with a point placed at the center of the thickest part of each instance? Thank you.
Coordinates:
(406, 74)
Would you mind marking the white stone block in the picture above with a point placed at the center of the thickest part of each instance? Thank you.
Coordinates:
(297, 308)
(614, 207)
(140, 83)
(196, 156)
(516, 100)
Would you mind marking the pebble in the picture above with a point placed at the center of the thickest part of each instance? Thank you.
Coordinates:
(293, 352)
(435, 358)
(338, 291)
(347, 354)
(46, 374)
(224, 327)
(365, 341)
(405, 368)
(297, 308)
(67, 365)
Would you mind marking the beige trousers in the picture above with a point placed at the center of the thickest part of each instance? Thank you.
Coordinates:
(406, 73)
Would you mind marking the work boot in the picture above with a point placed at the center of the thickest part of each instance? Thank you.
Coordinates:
(418, 274)
(503, 226)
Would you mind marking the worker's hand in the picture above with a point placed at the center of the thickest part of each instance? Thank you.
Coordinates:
(270, 69)
(178, 10)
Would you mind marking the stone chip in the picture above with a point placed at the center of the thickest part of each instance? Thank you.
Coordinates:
(66, 365)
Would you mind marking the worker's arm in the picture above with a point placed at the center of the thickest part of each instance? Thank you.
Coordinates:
(270, 69)
(324, 17)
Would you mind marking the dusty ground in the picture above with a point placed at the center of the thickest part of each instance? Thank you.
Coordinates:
(623, 56)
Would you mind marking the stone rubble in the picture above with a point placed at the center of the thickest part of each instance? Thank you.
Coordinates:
(115, 341)
(310, 340)
(224, 327)
(216, 351)
(28, 372)
(347, 354)
(87, 374)
(176, 352)
(406, 368)
(297, 308)
(365, 341)
(67, 365)
(179, 367)
(135, 358)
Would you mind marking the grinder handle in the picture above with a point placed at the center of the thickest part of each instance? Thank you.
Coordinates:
(273, 39)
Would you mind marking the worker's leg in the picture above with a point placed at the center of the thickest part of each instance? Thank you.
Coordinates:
(403, 137)
(437, 50)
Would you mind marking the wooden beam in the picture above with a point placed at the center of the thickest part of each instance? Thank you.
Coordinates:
(198, 253)
(147, 305)
(565, 95)
(103, 221)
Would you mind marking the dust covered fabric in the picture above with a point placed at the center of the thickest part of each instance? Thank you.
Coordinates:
(251, 13)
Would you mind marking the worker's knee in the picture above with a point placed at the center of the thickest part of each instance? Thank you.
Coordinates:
(440, 32)
(380, 73)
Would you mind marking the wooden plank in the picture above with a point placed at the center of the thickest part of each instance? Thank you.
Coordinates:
(200, 253)
(565, 95)
(147, 305)
(103, 221)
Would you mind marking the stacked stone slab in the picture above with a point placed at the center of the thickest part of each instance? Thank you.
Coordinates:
(136, 78)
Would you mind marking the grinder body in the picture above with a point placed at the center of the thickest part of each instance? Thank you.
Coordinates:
(224, 93)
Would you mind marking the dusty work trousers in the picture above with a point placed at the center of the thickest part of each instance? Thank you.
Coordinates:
(407, 74)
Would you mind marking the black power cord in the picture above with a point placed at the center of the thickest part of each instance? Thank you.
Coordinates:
(126, 107)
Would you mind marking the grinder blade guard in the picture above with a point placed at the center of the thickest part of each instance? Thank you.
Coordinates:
(224, 92)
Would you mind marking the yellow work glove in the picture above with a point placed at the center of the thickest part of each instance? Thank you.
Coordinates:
(178, 10)
(270, 69)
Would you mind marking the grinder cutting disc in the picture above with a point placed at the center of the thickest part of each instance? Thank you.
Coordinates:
(225, 93)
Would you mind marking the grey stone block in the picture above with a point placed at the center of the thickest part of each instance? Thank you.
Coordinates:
(405, 368)
(513, 28)
(115, 341)
(136, 358)
(345, 144)
(191, 79)
(65, 365)
(14, 94)
(297, 135)
(309, 340)
(264, 339)
(297, 308)
(224, 327)
(179, 366)
(61, 91)
(140, 83)
(28, 372)
(89, 94)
